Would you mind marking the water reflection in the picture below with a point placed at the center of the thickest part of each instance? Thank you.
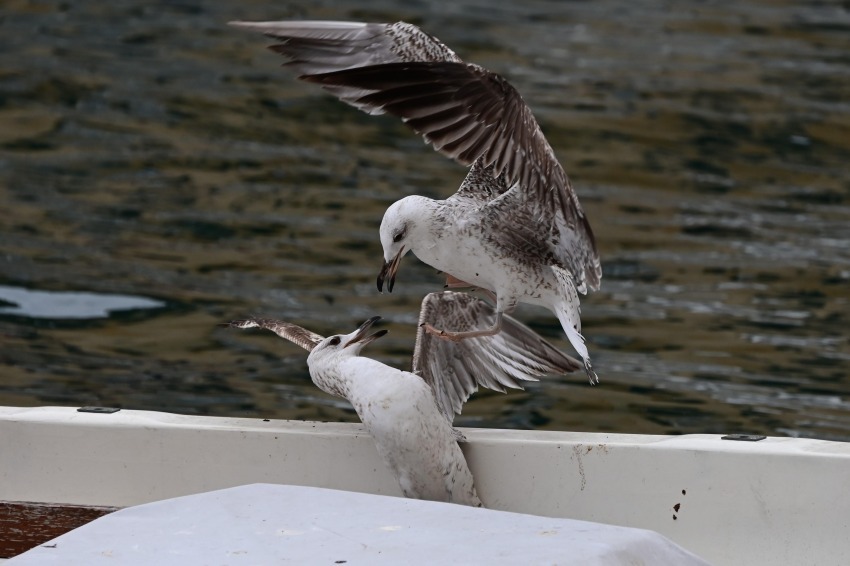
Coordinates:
(68, 305)
(146, 150)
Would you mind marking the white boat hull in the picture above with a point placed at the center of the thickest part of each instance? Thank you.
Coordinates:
(776, 501)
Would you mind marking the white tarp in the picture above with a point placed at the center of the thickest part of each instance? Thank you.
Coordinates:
(274, 524)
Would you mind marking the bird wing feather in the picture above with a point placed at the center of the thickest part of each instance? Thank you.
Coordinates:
(463, 110)
(292, 332)
(455, 370)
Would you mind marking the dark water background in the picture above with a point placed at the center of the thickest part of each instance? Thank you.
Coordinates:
(149, 151)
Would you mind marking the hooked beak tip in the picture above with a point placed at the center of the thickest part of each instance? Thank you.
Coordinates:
(388, 272)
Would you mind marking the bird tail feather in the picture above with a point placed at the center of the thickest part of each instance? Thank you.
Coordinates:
(568, 311)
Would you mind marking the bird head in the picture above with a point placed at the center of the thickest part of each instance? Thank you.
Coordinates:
(348, 345)
(327, 356)
(397, 235)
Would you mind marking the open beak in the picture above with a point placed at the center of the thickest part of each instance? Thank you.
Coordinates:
(389, 271)
(360, 334)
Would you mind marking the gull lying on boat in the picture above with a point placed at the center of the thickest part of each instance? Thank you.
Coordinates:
(408, 414)
(515, 226)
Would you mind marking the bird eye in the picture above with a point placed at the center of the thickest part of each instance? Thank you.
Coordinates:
(398, 236)
(334, 341)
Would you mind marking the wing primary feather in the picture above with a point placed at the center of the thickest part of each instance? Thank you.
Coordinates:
(439, 119)
(401, 70)
(474, 151)
(452, 134)
(460, 146)
(455, 370)
(292, 332)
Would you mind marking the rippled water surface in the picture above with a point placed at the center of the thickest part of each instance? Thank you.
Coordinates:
(150, 154)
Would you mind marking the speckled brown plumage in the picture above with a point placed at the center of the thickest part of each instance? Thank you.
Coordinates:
(515, 227)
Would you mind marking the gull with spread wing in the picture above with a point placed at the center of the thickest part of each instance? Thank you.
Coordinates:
(409, 415)
(515, 227)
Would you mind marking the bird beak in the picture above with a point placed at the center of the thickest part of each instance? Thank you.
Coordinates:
(389, 270)
(360, 334)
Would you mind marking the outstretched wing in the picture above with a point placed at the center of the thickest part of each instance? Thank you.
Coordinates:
(455, 370)
(292, 332)
(465, 111)
(318, 47)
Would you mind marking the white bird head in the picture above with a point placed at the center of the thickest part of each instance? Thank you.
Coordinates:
(325, 353)
(347, 345)
(325, 358)
(399, 234)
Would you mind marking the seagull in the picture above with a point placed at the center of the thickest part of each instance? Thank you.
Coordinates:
(409, 414)
(514, 228)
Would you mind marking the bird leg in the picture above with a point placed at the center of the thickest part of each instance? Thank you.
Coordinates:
(453, 282)
(458, 336)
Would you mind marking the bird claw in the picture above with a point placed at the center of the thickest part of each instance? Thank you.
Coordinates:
(594, 379)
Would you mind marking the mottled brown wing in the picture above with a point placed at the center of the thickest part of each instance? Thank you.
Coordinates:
(292, 332)
(474, 116)
(455, 370)
(463, 110)
(316, 47)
